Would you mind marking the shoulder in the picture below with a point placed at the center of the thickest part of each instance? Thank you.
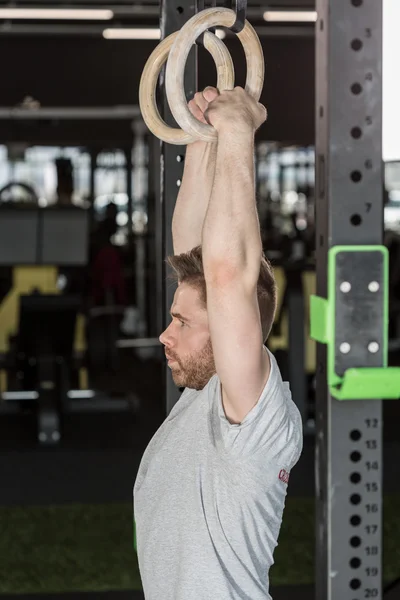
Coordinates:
(273, 428)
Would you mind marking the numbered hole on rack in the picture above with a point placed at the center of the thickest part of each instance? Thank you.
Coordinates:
(355, 584)
(355, 220)
(356, 89)
(356, 3)
(355, 520)
(356, 176)
(180, 10)
(355, 499)
(355, 478)
(356, 44)
(355, 456)
(356, 133)
(355, 541)
(355, 435)
(355, 563)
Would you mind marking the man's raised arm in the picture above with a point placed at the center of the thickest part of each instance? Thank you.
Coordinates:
(231, 229)
(198, 178)
(232, 252)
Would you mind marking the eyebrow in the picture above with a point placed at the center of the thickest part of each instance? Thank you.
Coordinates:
(179, 316)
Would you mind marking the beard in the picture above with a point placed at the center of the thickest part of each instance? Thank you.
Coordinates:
(194, 371)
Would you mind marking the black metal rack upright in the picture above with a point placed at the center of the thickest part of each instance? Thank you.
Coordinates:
(349, 212)
(174, 14)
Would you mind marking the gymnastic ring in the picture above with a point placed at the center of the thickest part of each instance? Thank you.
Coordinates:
(148, 83)
(211, 17)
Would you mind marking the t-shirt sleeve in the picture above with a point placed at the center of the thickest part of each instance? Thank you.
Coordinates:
(273, 427)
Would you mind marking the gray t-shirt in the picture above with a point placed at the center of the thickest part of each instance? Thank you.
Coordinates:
(209, 496)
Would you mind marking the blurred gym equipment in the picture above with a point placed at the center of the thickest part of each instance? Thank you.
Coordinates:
(43, 332)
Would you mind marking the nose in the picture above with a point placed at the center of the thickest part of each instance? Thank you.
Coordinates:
(166, 337)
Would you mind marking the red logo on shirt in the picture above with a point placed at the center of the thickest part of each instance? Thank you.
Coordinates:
(284, 476)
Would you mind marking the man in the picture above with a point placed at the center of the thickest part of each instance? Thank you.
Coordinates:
(211, 487)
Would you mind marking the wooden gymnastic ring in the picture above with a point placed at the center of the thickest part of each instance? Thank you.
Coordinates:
(148, 84)
(211, 17)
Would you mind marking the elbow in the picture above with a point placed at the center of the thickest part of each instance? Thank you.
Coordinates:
(220, 272)
(224, 272)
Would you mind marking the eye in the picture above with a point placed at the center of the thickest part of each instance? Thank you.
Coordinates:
(182, 323)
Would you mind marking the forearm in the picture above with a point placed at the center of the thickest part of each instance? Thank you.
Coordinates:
(231, 230)
(193, 197)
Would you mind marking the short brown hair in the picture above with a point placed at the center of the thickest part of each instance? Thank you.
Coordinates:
(188, 268)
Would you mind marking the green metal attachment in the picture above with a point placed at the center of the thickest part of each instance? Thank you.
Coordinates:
(370, 384)
(356, 383)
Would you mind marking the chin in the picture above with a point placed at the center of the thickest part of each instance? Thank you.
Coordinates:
(194, 383)
(195, 371)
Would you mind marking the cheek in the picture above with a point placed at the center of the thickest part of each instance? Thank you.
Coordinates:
(198, 340)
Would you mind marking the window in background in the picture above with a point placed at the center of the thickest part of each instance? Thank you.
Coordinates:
(140, 177)
(392, 206)
(110, 187)
(286, 182)
(285, 179)
(36, 167)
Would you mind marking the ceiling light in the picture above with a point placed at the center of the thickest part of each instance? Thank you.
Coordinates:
(290, 16)
(134, 33)
(56, 13)
(141, 33)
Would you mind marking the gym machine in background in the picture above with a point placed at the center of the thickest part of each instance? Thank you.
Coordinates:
(40, 327)
(43, 349)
